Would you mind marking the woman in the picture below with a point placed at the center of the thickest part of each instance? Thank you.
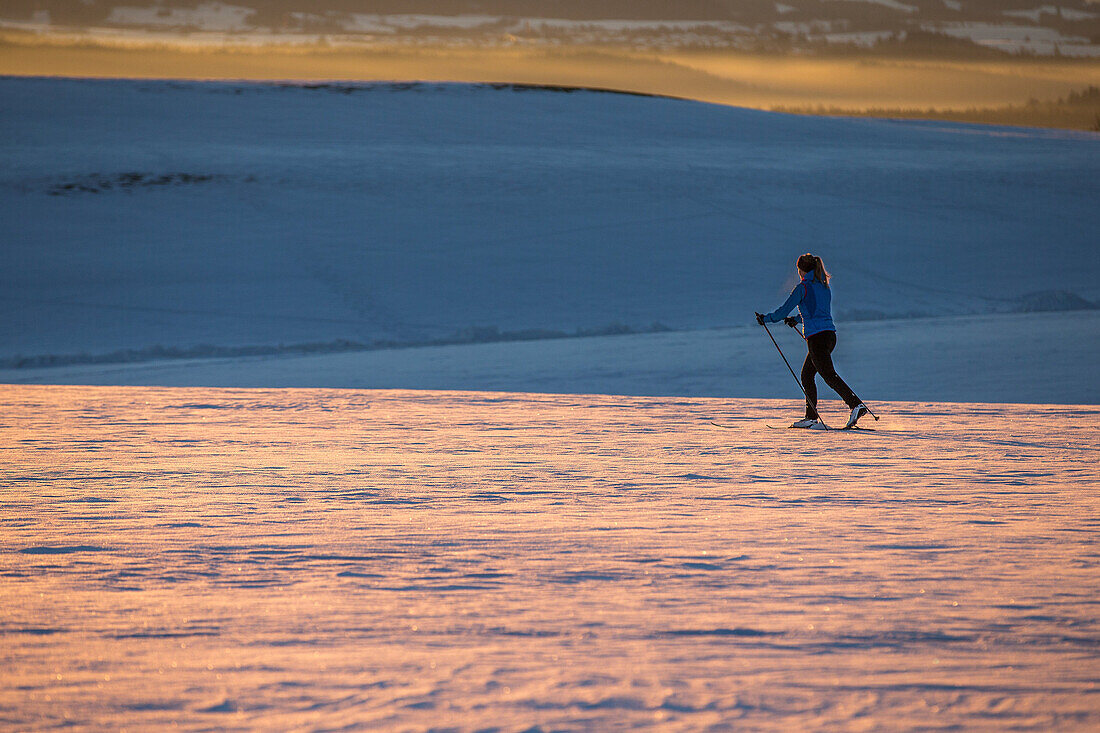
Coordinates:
(813, 298)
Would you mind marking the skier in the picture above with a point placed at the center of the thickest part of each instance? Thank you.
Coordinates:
(812, 296)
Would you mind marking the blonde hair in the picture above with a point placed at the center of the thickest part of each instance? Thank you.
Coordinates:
(813, 263)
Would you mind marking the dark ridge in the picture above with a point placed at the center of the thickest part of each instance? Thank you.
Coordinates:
(1053, 300)
(721, 632)
(64, 550)
(165, 634)
(129, 180)
(471, 335)
(421, 86)
(569, 90)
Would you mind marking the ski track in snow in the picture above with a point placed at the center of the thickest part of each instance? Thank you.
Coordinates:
(339, 559)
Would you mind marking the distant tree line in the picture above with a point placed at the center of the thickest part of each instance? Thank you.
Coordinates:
(1079, 110)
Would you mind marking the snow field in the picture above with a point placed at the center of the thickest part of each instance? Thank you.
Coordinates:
(1032, 357)
(340, 558)
(142, 213)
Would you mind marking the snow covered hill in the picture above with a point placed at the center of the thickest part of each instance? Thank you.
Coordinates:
(138, 214)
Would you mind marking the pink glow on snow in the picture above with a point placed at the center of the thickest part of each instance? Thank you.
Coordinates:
(289, 559)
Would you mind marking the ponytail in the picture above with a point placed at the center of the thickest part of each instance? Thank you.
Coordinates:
(813, 263)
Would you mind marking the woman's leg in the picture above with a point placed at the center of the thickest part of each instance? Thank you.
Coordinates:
(808, 384)
(820, 346)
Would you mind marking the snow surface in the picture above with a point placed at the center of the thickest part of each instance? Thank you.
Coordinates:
(808, 28)
(1037, 13)
(620, 25)
(864, 38)
(1040, 357)
(892, 4)
(205, 16)
(1016, 38)
(392, 23)
(341, 559)
(138, 214)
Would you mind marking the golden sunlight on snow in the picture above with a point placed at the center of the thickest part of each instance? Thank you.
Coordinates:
(721, 77)
(329, 558)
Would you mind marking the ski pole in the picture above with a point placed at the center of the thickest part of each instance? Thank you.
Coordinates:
(812, 407)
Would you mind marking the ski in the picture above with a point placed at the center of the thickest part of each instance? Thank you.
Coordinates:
(791, 427)
(824, 430)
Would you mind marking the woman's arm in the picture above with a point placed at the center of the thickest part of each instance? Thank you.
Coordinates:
(781, 312)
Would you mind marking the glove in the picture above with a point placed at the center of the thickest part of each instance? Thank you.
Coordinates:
(791, 321)
(760, 318)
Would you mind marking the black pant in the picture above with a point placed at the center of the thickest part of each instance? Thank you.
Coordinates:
(818, 361)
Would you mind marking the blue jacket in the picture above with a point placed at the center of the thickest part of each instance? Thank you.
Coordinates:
(814, 306)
